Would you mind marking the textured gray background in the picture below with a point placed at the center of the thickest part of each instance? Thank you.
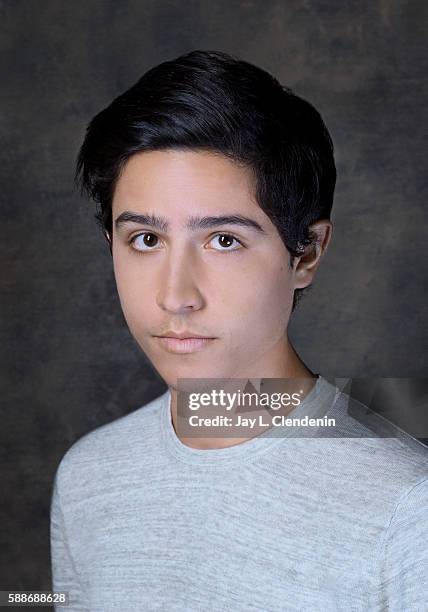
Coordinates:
(69, 363)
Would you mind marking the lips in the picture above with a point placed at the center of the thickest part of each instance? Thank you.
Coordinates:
(184, 345)
(182, 335)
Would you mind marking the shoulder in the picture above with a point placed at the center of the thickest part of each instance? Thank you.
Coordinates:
(361, 453)
(402, 552)
(376, 442)
(378, 462)
(120, 441)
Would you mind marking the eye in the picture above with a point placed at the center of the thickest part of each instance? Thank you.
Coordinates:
(226, 241)
(147, 242)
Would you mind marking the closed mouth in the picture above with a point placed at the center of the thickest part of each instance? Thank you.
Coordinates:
(184, 345)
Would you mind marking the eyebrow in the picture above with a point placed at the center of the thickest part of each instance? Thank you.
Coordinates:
(193, 223)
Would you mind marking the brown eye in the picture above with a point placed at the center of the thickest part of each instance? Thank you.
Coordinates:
(226, 242)
(144, 242)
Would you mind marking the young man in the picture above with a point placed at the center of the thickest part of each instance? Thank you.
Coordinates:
(215, 186)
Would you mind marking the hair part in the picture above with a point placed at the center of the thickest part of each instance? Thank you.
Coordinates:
(212, 101)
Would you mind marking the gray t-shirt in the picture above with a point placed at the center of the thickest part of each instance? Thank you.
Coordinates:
(141, 521)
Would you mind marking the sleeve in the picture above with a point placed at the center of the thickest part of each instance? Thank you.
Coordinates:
(405, 579)
(64, 574)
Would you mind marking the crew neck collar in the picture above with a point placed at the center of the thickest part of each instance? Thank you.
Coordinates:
(317, 402)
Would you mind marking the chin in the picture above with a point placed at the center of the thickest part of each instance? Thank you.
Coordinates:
(172, 376)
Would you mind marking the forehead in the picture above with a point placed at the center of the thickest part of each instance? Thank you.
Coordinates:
(178, 181)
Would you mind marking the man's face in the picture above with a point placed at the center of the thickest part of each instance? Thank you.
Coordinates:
(227, 281)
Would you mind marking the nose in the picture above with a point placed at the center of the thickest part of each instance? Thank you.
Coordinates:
(178, 292)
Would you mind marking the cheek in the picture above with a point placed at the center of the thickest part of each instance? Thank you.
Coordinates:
(258, 305)
(135, 291)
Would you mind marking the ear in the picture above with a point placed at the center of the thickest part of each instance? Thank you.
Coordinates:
(308, 263)
(108, 238)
